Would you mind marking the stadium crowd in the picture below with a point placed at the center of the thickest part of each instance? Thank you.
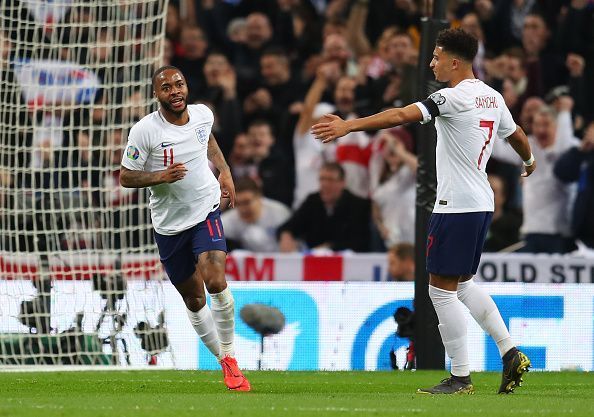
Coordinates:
(269, 69)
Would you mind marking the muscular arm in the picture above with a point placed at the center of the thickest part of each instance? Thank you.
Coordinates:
(336, 127)
(139, 179)
(519, 142)
(215, 156)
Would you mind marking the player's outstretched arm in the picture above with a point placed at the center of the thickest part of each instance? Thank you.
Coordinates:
(215, 156)
(333, 127)
(139, 179)
(519, 142)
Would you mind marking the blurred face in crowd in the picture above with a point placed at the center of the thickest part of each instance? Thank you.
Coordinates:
(472, 25)
(531, 106)
(215, 65)
(171, 91)
(399, 49)
(400, 269)
(249, 206)
(544, 127)
(258, 30)
(391, 156)
(514, 69)
(333, 28)
(344, 95)
(193, 42)
(274, 69)
(261, 140)
(383, 43)
(6, 47)
(103, 47)
(241, 151)
(172, 25)
(534, 34)
(331, 186)
(336, 49)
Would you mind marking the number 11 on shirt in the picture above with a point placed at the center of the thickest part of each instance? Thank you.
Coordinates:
(489, 125)
(170, 159)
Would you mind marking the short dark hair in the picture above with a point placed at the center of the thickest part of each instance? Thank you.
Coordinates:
(247, 184)
(160, 70)
(262, 122)
(276, 51)
(336, 167)
(459, 43)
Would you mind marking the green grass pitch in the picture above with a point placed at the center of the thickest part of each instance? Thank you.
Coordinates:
(202, 394)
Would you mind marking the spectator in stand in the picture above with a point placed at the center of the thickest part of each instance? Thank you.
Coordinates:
(404, 14)
(517, 87)
(173, 28)
(548, 200)
(336, 49)
(332, 218)
(252, 225)
(379, 62)
(530, 107)
(397, 87)
(246, 56)
(221, 93)
(394, 172)
(278, 98)
(505, 227)
(273, 171)
(577, 165)
(545, 68)
(470, 23)
(194, 46)
(354, 150)
(240, 158)
(401, 262)
(309, 153)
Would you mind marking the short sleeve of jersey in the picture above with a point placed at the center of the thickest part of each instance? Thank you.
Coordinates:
(441, 103)
(447, 101)
(137, 150)
(507, 126)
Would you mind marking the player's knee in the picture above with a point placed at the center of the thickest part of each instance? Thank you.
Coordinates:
(216, 284)
(195, 303)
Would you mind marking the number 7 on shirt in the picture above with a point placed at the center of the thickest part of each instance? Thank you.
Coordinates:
(489, 125)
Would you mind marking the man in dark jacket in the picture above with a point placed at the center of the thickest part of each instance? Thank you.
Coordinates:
(577, 164)
(332, 218)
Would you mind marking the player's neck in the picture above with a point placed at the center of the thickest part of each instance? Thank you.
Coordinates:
(458, 78)
(175, 119)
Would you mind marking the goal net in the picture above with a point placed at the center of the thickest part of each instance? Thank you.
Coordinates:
(80, 282)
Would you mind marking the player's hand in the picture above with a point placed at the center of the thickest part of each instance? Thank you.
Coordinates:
(331, 128)
(227, 187)
(529, 170)
(173, 173)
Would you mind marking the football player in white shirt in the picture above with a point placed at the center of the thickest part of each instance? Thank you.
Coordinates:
(168, 151)
(468, 114)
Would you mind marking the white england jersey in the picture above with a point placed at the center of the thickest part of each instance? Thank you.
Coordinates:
(153, 145)
(469, 117)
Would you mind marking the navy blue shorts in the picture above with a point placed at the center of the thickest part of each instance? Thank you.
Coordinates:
(456, 241)
(179, 253)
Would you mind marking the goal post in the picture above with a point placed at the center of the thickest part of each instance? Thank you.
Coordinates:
(80, 281)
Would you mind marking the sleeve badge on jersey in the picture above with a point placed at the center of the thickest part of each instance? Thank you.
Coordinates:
(201, 135)
(132, 152)
(437, 98)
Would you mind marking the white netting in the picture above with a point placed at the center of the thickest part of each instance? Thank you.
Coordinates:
(78, 270)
